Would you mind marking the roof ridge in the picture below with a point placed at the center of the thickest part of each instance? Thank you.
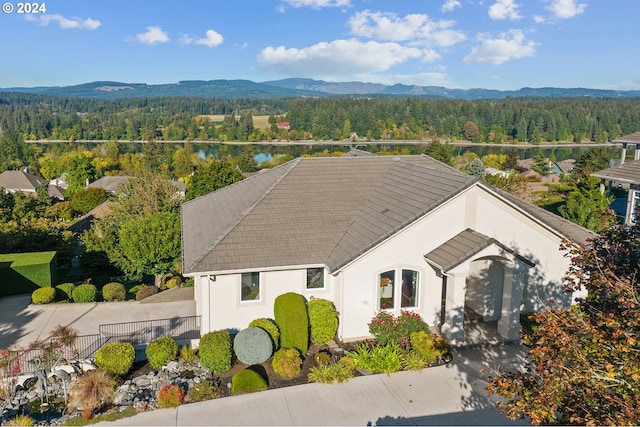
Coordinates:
(291, 165)
(404, 224)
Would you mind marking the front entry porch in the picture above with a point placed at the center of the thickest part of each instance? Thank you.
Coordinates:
(482, 288)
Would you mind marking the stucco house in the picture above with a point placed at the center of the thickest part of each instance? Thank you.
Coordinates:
(374, 233)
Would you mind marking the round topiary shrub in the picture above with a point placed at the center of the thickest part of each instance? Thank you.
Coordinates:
(323, 319)
(253, 345)
(84, 293)
(116, 358)
(64, 291)
(270, 326)
(215, 351)
(290, 313)
(248, 381)
(161, 351)
(114, 291)
(287, 362)
(44, 295)
(146, 292)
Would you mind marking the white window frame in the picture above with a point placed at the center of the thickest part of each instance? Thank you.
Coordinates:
(397, 288)
(260, 288)
(324, 279)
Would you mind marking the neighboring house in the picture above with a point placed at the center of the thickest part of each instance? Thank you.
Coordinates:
(283, 125)
(24, 182)
(111, 184)
(374, 233)
(494, 171)
(563, 167)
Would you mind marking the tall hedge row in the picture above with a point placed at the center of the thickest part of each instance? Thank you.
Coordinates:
(290, 313)
(25, 272)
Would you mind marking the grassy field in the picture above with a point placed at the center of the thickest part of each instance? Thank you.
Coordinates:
(259, 122)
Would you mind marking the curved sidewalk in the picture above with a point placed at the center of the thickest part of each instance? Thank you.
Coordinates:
(447, 395)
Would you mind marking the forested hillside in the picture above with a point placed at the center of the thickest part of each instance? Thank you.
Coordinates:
(533, 120)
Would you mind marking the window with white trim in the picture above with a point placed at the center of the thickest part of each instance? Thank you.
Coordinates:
(250, 286)
(315, 278)
(392, 294)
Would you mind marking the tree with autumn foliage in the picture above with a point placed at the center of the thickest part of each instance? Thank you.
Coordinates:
(584, 362)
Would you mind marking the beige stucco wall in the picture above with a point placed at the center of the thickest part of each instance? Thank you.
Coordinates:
(226, 311)
(354, 288)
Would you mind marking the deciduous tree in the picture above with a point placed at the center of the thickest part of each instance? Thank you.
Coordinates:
(585, 361)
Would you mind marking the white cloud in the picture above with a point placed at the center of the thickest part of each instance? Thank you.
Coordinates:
(449, 5)
(417, 28)
(152, 36)
(66, 23)
(212, 39)
(504, 9)
(324, 60)
(317, 4)
(185, 39)
(510, 45)
(565, 9)
(539, 19)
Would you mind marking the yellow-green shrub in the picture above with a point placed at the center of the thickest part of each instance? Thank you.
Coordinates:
(323, 319)
(215, 351)
(116, 358)
(44, 295)
(114, 291)
(287, 362)
(290, 313)
(270, 326)
(248, 381)
(161, 351)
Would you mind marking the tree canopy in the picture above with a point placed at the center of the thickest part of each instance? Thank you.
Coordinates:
(585, 361)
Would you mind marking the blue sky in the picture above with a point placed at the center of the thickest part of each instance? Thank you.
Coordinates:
(495, 44)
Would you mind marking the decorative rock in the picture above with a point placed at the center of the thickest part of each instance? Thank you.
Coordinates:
(171, 366)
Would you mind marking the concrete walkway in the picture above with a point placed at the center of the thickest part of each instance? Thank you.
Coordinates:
(447, 395)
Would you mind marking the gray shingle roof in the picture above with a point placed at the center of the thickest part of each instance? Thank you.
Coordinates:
(19, 181)
(460, 248)
(633, 138)
(323, 211)
(628, 172)
(110, 183)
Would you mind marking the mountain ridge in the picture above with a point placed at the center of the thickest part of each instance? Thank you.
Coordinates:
(301, 87)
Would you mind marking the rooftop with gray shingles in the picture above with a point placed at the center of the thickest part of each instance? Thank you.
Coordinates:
(628, 172)
(323, 211)
(633, 138)
(19, 180)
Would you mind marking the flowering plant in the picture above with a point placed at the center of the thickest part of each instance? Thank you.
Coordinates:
(387, 328)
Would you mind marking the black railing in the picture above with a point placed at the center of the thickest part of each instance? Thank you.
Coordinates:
(21, 362)
(145, 331)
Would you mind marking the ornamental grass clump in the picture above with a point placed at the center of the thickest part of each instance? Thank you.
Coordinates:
(204, 390)
(337, 372)
(379, 358)
(90, 391)
(161, 351)
(323, 319)
(170, 395)
(428, 345)
(287, 362)
(252, 346)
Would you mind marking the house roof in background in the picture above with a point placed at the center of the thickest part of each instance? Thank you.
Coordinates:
(19, 181)
(628, 172)
(110, 183)
(632, 138)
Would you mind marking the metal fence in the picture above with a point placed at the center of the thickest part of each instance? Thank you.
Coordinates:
(21, 362)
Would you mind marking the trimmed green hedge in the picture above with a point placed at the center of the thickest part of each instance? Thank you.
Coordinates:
(114, 291)
(290, 313)
(323, 318)
(43, 295)
(23, 273)
(248, 381)
(84, 293)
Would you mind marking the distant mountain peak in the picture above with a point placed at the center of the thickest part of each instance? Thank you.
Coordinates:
(301, 87)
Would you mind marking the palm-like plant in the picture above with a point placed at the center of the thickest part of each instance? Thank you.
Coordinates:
(91, 390)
